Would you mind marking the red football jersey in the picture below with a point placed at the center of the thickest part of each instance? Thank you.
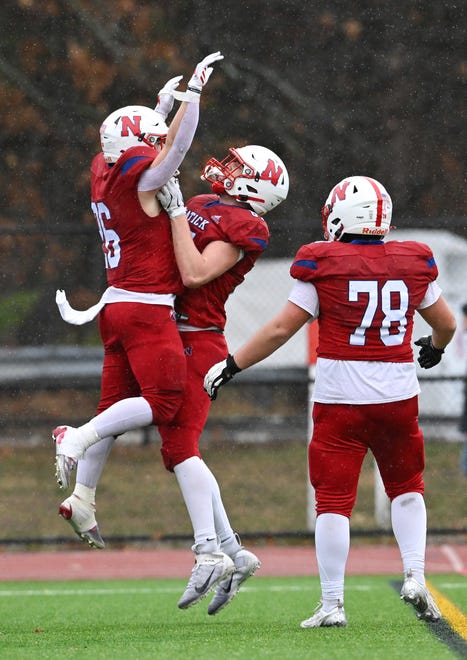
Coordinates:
(368, 293)
(138, 249)
(211, 220)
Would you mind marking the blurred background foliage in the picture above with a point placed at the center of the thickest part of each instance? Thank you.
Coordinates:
(335, 88)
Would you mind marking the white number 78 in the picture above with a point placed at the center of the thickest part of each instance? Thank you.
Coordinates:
(391, 315)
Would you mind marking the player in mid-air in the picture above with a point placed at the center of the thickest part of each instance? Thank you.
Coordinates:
(217, 239)
(144, 369)
(364, 293)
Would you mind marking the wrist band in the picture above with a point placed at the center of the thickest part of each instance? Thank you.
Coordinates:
(189, 96)
(176, 213)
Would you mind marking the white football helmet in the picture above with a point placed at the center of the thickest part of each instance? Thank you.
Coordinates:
(131, 126)
(357, 205)
(253, 175)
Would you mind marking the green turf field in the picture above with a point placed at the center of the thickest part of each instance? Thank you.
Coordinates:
(136, 619)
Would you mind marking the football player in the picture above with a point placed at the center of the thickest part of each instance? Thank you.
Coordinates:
(217, 239)
(364, 293)
(143, 374)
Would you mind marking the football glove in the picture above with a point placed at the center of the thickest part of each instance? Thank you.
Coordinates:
(429, 356)
(202, 72)
(219, 375)
(171, 198)
(165, 98)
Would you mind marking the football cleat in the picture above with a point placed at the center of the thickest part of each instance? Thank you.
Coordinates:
(81, 516)
(246, 563)
(68, 449)
(321, 619)
(208, 571)
(416, 594)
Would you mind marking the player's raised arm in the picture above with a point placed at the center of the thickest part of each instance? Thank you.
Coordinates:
(182, 128)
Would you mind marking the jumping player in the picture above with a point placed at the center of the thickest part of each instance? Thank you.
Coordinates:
(217, 239)
(144, 370)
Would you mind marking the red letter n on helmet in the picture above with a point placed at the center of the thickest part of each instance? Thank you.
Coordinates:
(132, 124)
(272, 172)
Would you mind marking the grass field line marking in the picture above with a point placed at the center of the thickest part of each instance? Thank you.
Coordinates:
(7, 593)
(453, 556)
(456, 619)
(452, 585)
(85, 592)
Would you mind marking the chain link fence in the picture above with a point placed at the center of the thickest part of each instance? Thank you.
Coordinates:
(274, 393)
(265, 410)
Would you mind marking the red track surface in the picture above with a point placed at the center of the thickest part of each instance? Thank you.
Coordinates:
(88, 564)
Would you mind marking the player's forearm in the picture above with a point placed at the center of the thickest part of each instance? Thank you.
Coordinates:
(274, 334)
(442, 321)
(257, 349)
(190, 261)
(442, 337)
(174, 151)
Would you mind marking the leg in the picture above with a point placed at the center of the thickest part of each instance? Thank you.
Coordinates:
(399, 451)
(79, 509)
(335, 459)
(194, 480)
(198, 485)
(332, 541)
(136, 390)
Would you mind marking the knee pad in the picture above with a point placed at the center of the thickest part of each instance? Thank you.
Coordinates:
(177, 446)
(164, 404)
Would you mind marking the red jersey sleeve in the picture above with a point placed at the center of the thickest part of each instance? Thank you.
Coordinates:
(210, 220)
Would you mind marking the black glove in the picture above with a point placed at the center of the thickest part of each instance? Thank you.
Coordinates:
(219, 375)
(429, 356)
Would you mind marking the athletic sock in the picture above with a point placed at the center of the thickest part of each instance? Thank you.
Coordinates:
(332, 542)
(408, 516)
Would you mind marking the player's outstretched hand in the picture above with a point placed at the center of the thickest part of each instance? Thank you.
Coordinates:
(203, 71)
(219, 375)
(429, 356)
(165, 97)
(171, 198)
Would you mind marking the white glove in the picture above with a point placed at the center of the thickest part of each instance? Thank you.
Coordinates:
(202, 72)
(165, 98)
(171, 198)
(219, 375)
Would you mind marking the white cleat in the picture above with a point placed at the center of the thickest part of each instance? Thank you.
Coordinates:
(81, 516)
(69, 449)
(209, 570)
(246, 563)
(321, 619)
(416, 594)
